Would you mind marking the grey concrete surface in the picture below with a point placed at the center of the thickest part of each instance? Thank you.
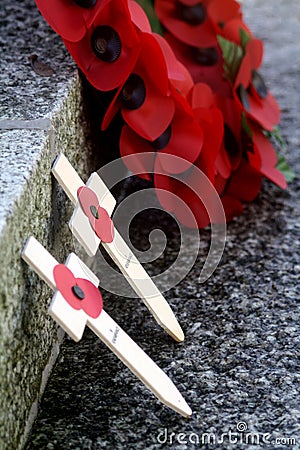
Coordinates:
(239, 363)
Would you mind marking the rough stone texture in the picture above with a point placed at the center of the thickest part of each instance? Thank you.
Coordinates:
(40, 116)
(239, 360)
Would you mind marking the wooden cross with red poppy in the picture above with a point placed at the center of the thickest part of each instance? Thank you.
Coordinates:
(91, 225)
(77, 302)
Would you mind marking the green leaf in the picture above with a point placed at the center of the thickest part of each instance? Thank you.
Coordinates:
(245, 38)
(232, 55)
(284, 168)
(245, 125)
(282, 164)
(275, 134)
(147, 6)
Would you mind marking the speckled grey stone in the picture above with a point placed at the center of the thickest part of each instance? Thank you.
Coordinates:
(39, 117)
(240, 359)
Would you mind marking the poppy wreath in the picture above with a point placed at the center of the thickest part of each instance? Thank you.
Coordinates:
(184, 74)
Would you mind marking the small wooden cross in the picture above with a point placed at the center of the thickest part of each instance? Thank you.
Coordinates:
(77, 303)
(83, 225)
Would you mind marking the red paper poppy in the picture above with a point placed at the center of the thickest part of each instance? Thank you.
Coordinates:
(109, 50)
(205, 65)
(70, 18)
(99, 218)
(232, 113)
(78, 292)
(252, 91)
(144, 99)
(221, 12)
(183, 138)
(267, 156)
(187, 22)
(178, 74)
(210, 118)
(232, 30)
(184, 195)
(243, 186)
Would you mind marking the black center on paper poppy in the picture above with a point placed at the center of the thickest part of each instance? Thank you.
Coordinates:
(86, 3)
(94, 211)
(230, 142)
(206, 56)
(133, 93)
(194, 15)
(243, 96)
(78, 292)
(162, 140)
(106, 43)
(259, 84)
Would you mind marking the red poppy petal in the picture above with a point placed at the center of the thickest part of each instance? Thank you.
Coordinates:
(174, 70)
(231, 31)
(140, 161)
(255, 50)
(201, 96)
(111, 111)
(220, 183)
(164, 188)
(66, 18)
(152, 118)
(185, 142)
(64, 281)
(232, 207)
(92, 304)
(139, 17)
(268, 159)
(211, 75)
(175, 196)
(222, 164)
(102, 225)
(265, 111)
(202, 35)
(220, 11)
(212, 125)
(244, 183)
(87, 199)
(244, 74)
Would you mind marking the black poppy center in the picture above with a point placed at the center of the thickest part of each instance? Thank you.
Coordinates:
(207, 56)
(94, 211)
(230, 142)
(194, 15)
(243, 96)
(162, 140)
(133, 93)
(78, 292)
(86, 3)
(259, 84)
(106, 43)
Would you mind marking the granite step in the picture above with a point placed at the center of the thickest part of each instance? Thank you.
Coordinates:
(39, 117)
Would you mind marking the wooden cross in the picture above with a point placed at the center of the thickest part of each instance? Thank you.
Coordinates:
(74, 283)
(83, 229)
